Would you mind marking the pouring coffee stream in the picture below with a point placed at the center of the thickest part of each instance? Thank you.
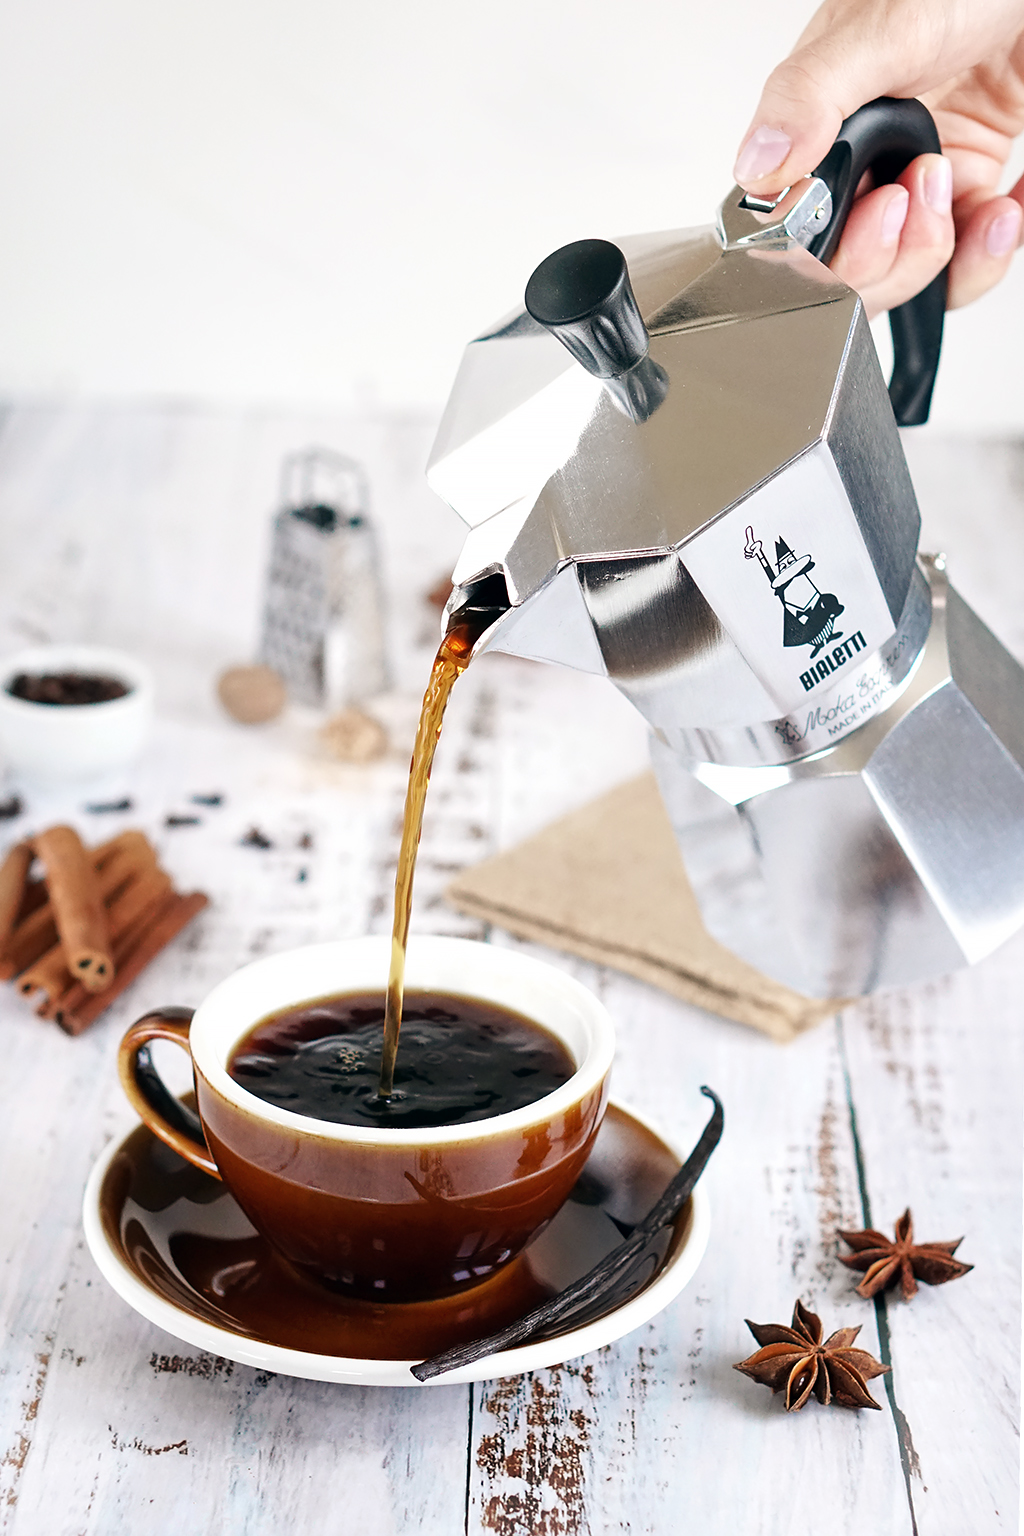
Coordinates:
(464, 629)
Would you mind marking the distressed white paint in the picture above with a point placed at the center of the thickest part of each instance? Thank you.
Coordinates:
(147, 529)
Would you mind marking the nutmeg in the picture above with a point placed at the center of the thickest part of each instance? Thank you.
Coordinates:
(354, 737)
(252, 695)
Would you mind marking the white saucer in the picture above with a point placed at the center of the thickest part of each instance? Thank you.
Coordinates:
(133, 1251)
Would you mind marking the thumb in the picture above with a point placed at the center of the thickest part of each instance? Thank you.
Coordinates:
(850, 53)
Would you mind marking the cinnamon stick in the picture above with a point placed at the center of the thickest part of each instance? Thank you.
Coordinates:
(78, 1009)
(78, 908)
(74, 993)
(49, 974)
(104, 851)
(13, 880)
(130, 850)
(53, 1004)
(116, 862)
(137, 899)
(33, 897)
(140, 898)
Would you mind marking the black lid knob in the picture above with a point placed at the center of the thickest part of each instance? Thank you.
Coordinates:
(582, 294)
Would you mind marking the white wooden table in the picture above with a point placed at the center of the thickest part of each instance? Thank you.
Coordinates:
(148, 528)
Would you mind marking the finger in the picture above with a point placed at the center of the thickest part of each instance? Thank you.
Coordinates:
(794, 127)
(925, 242)
(851, 52)
(871, 239)
(806, 99)
(984, 249)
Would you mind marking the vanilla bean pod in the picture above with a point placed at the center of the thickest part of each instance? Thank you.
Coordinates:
(585, 1295)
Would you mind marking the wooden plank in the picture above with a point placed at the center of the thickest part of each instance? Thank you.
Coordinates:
(143, 1432)
(147, 527)
(623, 1440)
(533, 1464)
(51, 1106)
(937, 1076)
(105, 1421)
(659, 1428)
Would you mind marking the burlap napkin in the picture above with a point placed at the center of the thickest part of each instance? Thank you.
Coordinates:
(607, 883)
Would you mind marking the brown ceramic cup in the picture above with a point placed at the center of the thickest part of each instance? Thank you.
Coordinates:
(402, 1215)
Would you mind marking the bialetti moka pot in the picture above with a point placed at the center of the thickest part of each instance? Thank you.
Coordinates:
(681, 468)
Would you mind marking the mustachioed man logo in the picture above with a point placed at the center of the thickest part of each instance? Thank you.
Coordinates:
(809, 616)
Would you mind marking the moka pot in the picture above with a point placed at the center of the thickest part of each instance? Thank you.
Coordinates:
(681, 469)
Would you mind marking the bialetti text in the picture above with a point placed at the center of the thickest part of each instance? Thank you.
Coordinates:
(832, 661)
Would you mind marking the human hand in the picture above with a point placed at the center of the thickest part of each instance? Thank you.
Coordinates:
(965, 59)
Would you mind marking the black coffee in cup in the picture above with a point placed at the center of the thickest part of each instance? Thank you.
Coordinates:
(462, 1059)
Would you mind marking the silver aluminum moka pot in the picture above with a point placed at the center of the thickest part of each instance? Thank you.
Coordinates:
(681, 469)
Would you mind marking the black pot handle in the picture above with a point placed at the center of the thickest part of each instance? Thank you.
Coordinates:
(883, 137)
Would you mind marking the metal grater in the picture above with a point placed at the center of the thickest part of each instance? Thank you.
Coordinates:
(323, 613)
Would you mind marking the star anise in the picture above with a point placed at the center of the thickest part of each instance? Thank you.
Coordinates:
(886, 1262)
(795, 1360)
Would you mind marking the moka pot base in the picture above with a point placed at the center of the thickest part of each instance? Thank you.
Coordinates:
(894, 854)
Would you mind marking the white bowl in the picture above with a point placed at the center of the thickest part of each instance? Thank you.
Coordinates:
(55, 743)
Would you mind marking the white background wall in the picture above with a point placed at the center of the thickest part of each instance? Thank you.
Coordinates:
(317, 201)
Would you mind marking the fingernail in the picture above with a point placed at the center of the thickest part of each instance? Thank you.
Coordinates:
(764, 151)
(938, 187)
(895, 216)
(1003, 234)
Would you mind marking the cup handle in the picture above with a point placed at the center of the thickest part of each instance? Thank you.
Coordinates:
(167, 1117)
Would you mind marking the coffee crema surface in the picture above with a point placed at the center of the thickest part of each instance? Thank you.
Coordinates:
(462, 1059)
